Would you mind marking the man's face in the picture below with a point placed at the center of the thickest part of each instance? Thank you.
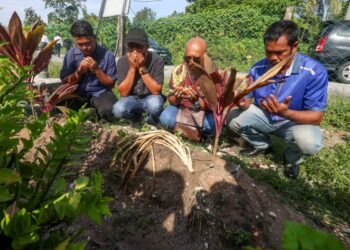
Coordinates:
(276, 51)
(86, 44)
(139, 48)
(193, 54)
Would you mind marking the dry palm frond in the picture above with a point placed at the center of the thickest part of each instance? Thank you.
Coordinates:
(262, 80)
(135, 151)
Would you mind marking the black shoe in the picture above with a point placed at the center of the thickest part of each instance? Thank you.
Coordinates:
(255, 151)
(291, 170)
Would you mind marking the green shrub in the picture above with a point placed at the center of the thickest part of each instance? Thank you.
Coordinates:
(39, 198)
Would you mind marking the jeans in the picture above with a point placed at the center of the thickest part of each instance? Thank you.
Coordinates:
(255, 125)
(132, 107)
(168, 120)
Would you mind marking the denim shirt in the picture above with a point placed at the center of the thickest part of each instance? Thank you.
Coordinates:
(306, 81)
(89, 83)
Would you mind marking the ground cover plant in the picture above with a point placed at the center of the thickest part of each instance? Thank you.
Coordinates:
(39, 196)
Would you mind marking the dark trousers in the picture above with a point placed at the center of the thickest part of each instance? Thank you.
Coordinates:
(103, 104)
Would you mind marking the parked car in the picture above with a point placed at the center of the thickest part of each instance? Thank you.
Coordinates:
(333, 49)
(161, 51)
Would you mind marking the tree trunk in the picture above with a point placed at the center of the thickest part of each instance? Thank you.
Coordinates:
(289, 13)
(347, 15)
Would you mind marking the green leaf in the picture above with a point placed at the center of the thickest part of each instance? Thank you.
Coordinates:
(5, 194)
(298, 236)
(8, 176)
(63, 245)
(74, 200)
(60, 185)
(77, 246)
(81, 182)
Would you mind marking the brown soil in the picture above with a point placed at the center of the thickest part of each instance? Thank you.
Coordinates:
(210, 208)
(216, 207)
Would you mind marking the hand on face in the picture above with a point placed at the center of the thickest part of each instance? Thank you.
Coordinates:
(136, 59)
(272, 105)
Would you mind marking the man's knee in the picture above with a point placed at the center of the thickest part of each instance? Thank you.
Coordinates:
(120, 109)
(167, 119)
(154, 105)
(309, 142)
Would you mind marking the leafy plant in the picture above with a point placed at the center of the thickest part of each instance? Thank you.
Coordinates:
(222, 92)
(38, 197)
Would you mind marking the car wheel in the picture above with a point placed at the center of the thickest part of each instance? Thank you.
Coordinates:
(343, 73)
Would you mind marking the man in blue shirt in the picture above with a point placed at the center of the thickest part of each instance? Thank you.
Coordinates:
(291, 109)
(93, 68)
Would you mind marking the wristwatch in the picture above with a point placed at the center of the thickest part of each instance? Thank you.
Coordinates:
(143, 71)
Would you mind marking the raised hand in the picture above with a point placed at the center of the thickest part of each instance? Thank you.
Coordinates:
(90, 63)
(272, 105)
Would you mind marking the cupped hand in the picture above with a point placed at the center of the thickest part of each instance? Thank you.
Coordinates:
(272, 105)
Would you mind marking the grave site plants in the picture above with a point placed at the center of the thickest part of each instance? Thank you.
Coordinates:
(39, 196)
(19, 46)
(222, 91)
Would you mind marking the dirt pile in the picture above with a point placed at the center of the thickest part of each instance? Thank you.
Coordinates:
(217, 207)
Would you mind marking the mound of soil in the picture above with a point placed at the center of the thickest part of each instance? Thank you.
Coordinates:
(217, 207)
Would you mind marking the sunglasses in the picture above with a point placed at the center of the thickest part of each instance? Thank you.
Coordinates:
(194, 59)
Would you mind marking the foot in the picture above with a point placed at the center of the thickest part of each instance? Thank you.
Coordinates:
(291, 170)
(255, 151)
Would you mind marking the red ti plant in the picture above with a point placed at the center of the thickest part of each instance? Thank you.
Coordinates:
(222, 91)
(19, 47)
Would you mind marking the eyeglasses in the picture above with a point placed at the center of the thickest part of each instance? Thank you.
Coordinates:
(194, 59)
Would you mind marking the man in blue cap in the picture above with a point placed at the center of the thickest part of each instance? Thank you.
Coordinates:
(140, 76)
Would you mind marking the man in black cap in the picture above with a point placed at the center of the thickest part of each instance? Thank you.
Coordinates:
(140, 80)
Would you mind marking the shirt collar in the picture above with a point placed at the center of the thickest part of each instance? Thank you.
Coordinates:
(295, 67)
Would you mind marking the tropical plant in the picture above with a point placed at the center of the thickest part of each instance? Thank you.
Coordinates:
(38, 197)
(135, 149)
(20, 47)
(222, 91)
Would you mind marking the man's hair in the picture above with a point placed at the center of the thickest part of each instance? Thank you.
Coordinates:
(280, 28)
(81, 28)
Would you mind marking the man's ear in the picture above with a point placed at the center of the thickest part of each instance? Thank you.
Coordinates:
(295, 47)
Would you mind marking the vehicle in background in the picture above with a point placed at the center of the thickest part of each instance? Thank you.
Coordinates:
(333, 49)
(161, 51)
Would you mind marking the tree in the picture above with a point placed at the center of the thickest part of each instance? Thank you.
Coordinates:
(64, 10)
(31, 17)
(144, 15)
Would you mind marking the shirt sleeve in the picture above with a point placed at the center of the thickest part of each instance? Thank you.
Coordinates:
(316, 91)
(122, 69)
(68, 65)
(158, 71)
(111, 67)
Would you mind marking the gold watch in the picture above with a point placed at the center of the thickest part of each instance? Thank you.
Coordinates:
(143, 71)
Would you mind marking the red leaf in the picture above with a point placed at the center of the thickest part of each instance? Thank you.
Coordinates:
(43, 59)
(7, 49)
(32, 41)
(17, 37)
(228, 95)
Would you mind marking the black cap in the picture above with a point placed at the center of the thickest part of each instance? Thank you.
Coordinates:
(137, 35)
